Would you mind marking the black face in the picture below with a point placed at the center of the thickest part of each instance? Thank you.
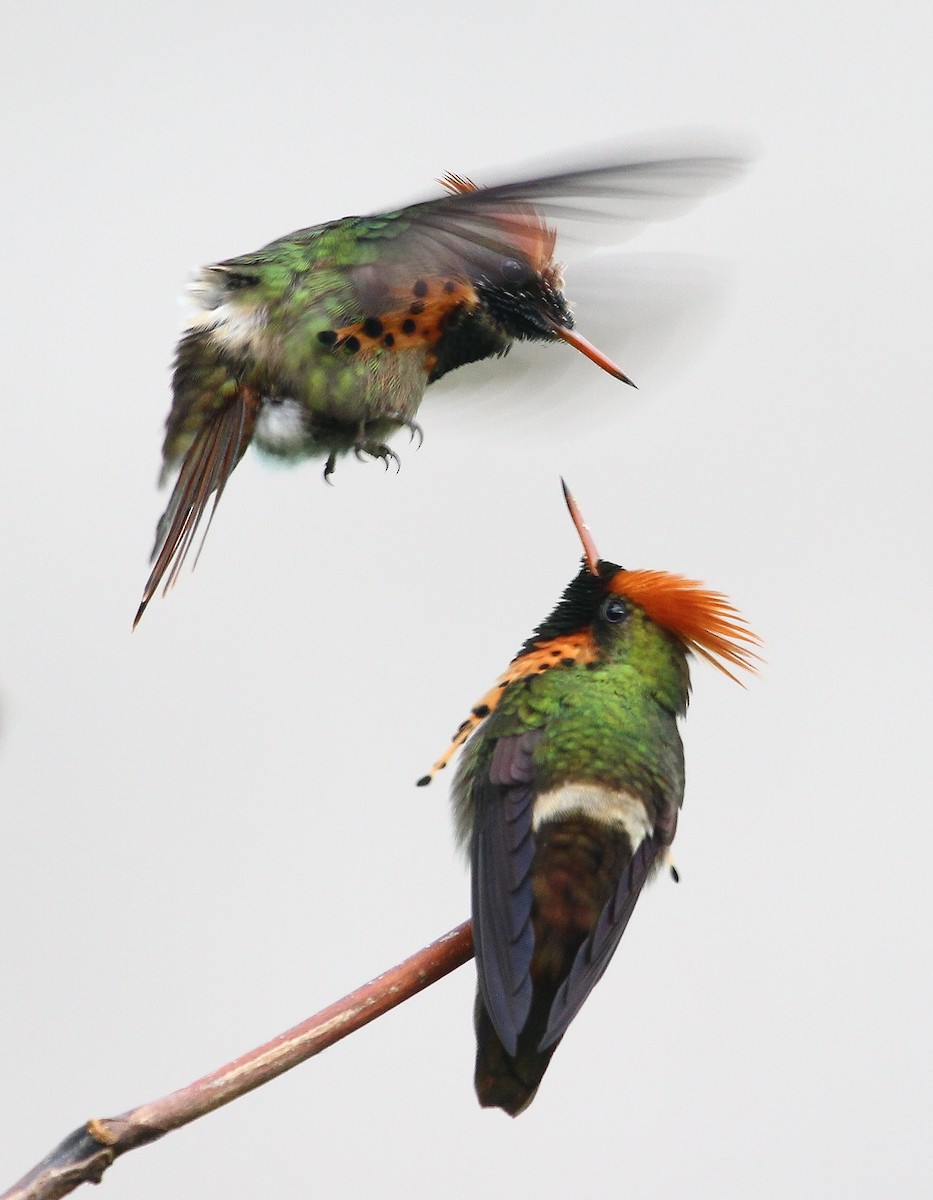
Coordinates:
(523, 303)
(515, 303)
(584, 603)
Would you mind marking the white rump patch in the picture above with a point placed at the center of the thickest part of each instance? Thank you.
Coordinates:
(598, 803)
(235, 323)
(206, 291)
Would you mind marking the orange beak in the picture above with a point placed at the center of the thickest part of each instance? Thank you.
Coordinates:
(580, 343)
(590, 553)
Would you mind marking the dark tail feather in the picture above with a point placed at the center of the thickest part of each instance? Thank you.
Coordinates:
(218, 446)
(507, 1082)
(577, 926)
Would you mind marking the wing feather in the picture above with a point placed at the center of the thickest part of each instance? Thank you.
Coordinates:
(502, 855)
(469, 233)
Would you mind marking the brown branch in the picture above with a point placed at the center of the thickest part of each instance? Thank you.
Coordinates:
(85, 1155)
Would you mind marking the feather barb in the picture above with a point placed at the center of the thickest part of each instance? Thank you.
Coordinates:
(705, 621)
(543, 656)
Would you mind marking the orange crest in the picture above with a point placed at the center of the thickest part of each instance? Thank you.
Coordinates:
(704, 621)
(521, 225)
(457, 185)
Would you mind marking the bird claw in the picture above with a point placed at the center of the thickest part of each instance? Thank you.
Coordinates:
(329, 467)
(414, 429)
(387, 456)
(366, 448)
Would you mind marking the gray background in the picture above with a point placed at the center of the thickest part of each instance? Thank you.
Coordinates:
(210, 828)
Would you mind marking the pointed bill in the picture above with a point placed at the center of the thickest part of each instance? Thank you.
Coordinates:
(589, 546)
(579, 342)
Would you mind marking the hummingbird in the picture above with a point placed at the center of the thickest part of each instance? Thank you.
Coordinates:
(567, 795)
(323, 342)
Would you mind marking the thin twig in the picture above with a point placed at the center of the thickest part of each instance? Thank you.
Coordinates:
(85, 1155)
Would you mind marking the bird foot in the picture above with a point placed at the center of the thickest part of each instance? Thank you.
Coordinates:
(367, 447)
(414, 429)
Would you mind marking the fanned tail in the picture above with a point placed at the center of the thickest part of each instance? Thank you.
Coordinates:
(218, 446)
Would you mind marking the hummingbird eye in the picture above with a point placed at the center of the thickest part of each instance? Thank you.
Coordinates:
(513, 271)
(614, 610)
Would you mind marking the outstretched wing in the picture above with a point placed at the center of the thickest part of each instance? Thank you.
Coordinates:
(593, 956)
(502, 853)
(474, 230)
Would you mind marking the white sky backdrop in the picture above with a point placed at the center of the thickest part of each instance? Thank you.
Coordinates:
(209, 829)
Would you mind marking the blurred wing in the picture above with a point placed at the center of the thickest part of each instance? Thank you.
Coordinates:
(468, 233)
(627, 194)
(654, 312)
(594, 955)
(502, 854)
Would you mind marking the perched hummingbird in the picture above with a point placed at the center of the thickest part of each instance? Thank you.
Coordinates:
(567, 798)
(324, 341)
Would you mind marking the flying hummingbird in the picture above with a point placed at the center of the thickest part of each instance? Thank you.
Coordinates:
(566, 797)
(324, 341)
